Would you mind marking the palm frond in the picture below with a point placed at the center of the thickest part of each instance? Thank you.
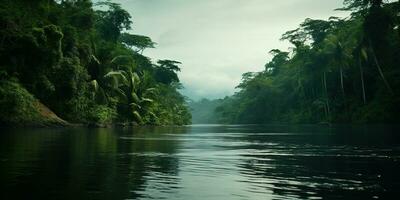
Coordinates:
(137, 116)
(119, 76)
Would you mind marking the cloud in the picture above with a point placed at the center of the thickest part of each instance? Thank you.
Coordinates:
(219, 40)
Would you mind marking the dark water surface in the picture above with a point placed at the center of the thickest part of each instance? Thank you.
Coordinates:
(201, 162)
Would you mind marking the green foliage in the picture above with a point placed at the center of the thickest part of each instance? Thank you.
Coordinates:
(139, 42)
(171, 109)
(339, 71)
(77, 59)
(133, 98)
(17, 105)
(166, 71)
(112, 21)
(101, 114)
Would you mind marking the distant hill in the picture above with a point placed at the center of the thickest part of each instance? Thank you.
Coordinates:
(203, 111)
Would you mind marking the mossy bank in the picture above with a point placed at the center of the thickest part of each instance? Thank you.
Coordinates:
(20, 108)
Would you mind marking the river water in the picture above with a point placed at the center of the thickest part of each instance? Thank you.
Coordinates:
(201, 162)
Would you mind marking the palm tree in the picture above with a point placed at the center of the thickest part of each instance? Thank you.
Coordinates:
(361, 57)
(376, 27)
(131, 93)
(378, 66)
(338, 57)
(134, 93)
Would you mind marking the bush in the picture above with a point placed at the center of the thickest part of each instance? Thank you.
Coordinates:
(17, 105)
(101, 114)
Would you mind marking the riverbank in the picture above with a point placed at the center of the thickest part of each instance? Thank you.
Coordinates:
(19, 108)
(40, 116)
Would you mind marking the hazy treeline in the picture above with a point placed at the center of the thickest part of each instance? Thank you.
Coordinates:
(203, 111)
(81, 61)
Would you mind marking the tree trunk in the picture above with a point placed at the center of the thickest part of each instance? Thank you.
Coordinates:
(342, 82)
(380, 69)
(326, 96)
(362, 81)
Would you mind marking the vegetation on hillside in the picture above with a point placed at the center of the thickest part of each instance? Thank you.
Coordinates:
(338, 71)
(81, 61)
(203, 111)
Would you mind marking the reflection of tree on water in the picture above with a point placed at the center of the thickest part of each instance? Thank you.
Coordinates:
(150, 161)
(312, 166)
(87, 164)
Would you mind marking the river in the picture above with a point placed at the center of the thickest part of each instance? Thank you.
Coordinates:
(201, 162)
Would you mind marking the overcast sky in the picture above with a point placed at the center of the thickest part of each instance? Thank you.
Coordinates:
(219, 40)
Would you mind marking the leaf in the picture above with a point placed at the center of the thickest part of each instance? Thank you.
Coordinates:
(119, 58)
(146, 100)
(137, 116)
(133, 82)
(119, 75)
(364, 54)
(95, 85)
(135, 97)
(94, 58)
(135, 105)
(152, 115)
(136, 78)
(150, 92)
(120, 93)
